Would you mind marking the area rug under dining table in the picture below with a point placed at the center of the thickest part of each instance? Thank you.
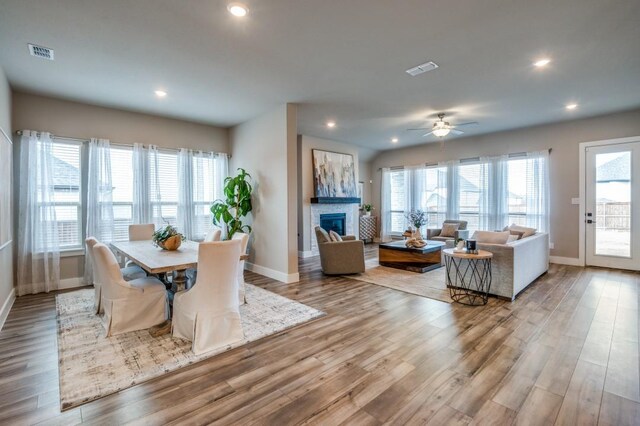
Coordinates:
(92, 366)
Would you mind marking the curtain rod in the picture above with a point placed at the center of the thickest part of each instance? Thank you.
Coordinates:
(69, 138)
(462, 160)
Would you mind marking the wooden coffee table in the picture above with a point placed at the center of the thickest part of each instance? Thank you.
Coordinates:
(397, 255)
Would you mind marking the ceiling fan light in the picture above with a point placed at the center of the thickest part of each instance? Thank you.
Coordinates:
(441, 132)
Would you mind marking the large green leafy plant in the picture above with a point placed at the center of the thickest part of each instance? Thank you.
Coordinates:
(237, 204)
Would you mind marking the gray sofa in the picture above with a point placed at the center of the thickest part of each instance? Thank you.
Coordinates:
(462, 232)
(340, 257)
(517, 264)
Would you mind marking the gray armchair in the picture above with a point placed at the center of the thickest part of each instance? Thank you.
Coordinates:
(341, 257)
(462, 232)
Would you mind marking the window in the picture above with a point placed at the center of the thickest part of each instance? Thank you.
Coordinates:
(433, 198)
(398, 197)
(122, 194)
(472, 188)
(206, 188)
(67, 199)
(163, 188)
(488, 193)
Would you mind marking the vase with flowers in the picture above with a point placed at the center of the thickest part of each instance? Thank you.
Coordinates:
(417, 219)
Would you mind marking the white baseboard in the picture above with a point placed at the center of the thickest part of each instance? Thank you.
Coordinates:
(303, 254)
(6, 307)
(71, 283)
(572, 261)
(272, 273)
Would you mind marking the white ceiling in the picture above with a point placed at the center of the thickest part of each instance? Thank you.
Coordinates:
(340, 60)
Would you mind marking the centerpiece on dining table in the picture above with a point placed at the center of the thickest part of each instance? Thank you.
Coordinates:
(167, 238)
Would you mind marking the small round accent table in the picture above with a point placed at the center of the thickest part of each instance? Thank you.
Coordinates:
(468, 276)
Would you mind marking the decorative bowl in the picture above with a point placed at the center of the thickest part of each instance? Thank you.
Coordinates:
(171, 243)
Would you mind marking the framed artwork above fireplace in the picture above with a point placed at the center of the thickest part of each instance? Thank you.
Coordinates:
(334, 175)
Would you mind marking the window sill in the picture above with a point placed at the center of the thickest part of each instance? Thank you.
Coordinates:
(71, 253)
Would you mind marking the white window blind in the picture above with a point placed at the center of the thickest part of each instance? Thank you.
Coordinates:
(163, 188)
(122, 195)
(398, 201)
(67, 181)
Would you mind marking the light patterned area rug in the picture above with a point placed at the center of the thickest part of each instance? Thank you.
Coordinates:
(430, 284)
(92, 366)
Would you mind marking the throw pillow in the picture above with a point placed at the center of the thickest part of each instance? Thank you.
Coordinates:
(527, 231)
(449, 229)
(322, 236)
(491, 237)
(519, 234)
(335, 237)
(512, 238)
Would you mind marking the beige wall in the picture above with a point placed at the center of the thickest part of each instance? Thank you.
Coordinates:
(72, 119)
(364, 176)
(563, 138)
(65, 118)
(305, 181)
(6, 253)
(266, 147)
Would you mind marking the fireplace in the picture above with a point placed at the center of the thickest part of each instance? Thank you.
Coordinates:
(334, 222)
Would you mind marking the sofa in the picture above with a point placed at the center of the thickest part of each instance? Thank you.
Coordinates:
(340, 257)
(516, 264)
(462, 232)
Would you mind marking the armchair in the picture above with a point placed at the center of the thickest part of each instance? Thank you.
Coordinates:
(340, 257)
(462, 232)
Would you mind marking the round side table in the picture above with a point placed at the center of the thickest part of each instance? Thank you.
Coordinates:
(468, 276)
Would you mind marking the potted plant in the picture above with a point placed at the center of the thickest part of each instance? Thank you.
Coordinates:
(367, 209)
(236, 205)
(417, 218)
(168, 238)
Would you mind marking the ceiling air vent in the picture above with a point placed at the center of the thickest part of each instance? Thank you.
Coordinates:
(41, 52)
(420, 69)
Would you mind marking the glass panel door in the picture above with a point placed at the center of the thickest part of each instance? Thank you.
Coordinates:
(612, 221)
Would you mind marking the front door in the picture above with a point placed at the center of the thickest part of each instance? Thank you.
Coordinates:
(612, 215)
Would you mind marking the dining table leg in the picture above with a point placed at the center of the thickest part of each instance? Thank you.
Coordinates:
(179, 280)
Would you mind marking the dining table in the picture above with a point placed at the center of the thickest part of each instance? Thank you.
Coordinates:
(156, 260)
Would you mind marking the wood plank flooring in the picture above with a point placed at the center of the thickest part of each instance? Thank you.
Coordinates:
(565, 352)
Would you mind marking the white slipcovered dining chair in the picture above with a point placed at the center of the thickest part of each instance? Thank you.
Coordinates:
(208, 314)
(128, 306)
(244, 242)
(141, 232)
(128, 273)
(213, 234)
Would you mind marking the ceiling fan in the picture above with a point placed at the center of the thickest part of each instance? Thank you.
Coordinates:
(442, 128)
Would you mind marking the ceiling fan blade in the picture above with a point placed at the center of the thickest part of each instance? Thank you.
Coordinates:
(428, 134)
(469, 123)
(420, 128)
(456, 132)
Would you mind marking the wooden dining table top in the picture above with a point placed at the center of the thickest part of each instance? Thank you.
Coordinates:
(156, 260)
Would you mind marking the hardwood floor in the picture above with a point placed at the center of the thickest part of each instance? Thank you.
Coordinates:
(565, 352)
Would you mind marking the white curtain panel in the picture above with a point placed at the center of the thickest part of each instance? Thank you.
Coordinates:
(186, 196)
(141, 202)
(154, 193)
(499, 197)
(220, 174)
(38, 244)
(538, 204)
(385, 208)
(453, 188)
(100, 222)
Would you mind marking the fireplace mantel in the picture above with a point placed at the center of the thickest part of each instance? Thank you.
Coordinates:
(335, 200)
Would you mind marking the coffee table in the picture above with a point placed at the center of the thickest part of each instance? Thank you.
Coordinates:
(397, 255)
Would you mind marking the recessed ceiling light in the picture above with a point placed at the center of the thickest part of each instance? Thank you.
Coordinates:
(571, 106)
(238, 9)
(542, 62)
(160, 93)
(394, 140)
(331, 124)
